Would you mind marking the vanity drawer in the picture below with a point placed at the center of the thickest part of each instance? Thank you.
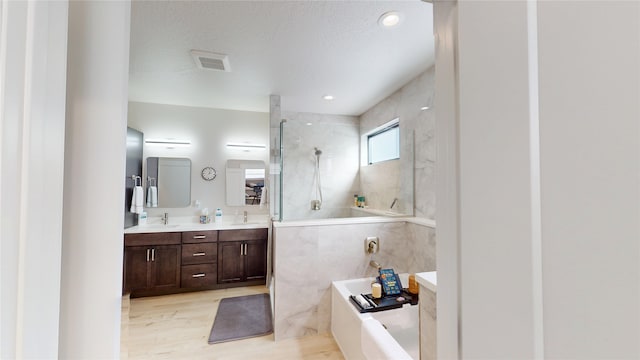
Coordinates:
(244, 234)
(199, 253)
(195, 237)
(151, 239)
(194, 276)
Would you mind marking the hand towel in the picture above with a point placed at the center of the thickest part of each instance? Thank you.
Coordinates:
(263, 197)
(154, 196)
(137, 200)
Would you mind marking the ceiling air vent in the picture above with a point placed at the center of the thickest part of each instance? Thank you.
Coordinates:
(211, 61)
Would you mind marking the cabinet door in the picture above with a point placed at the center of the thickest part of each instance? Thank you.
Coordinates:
(256, 259)
(136, 268)
(165, 267)
(230, 261)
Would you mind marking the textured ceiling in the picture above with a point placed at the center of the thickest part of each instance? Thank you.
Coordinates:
(300, 50)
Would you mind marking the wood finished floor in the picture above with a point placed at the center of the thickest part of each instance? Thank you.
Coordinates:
(177, 327)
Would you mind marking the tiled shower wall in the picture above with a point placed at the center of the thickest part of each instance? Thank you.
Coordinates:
(380, 182)
(338, 139)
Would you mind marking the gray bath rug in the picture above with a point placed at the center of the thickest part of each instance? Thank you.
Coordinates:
(242, 317)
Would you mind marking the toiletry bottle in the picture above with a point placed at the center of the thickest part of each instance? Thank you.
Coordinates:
(204, 216)
(219, 216)
(376, 290)
(413, 285)
(142, 218)
(355, 200)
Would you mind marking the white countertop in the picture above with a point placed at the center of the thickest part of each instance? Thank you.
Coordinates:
(180, 224)
(428, 279)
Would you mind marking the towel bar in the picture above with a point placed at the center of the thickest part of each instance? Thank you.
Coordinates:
(135, 180)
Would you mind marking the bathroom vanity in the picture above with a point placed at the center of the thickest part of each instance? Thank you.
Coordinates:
(171, 259)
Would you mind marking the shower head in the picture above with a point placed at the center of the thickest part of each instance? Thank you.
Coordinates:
(318, 152)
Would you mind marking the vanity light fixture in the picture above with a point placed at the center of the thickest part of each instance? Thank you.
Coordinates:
(328, 97)
(246, 147)
(390, 19)
(170, 142)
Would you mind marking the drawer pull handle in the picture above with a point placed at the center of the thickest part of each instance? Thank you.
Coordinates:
(199, 254)
(199, 236)
(198, 275)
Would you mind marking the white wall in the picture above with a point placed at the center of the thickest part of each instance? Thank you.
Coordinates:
(32, 107)
(209, 130)
(97, 80)
(546, 157)
(447, 179)
(590, 157)
(496, 214)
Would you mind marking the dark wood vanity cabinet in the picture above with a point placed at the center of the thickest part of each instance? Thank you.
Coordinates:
(242, 257)
(172, 262)
(151, 263)
(199, 259)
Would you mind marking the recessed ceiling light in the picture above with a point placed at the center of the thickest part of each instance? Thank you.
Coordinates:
(390, 19)
(424, 108)
(309, 123)
(328, 97)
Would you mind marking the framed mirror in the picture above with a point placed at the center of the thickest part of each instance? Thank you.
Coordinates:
(172, 177)
(245, 182)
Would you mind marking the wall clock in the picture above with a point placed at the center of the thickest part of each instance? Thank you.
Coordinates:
(208, 173)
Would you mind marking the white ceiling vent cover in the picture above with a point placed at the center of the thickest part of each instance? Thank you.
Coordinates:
(211, 61)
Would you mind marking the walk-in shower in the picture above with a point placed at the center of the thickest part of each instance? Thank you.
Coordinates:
(317, 170)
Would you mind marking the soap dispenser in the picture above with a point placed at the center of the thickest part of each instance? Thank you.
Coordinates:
(219, 216)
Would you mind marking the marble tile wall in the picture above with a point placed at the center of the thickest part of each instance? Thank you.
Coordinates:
(308, 258)
(378, 183)
(338, 139)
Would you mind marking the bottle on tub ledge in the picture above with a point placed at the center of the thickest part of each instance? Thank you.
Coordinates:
(218, 216)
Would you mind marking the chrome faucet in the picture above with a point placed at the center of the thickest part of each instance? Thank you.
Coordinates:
(245, 216)
(165, 218)
(375, 264)
(393, 203)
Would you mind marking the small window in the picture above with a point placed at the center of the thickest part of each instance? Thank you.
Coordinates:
(384, 144)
